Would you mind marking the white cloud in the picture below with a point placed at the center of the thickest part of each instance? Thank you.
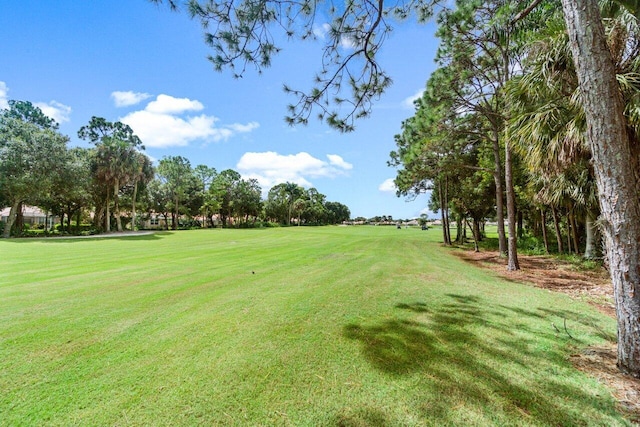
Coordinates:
(408, 102)
(338, 161)
(125, 99)
(348, 43)
(55, 110)
(4, 103)
(388, 186)
(166, 104)
(164, 130)
(162, 123)
(271, 168)
(237, 127)
(321, 31)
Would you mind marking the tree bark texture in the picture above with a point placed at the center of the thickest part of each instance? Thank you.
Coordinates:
(133, 205)
(568, 225)
(543, 219)
(590, 250)
(19, 224)
(574, 231)
(176, 215)
(497, 176)
(475, 230)
(512, 261)
(13, 213)
(116, 205)
(446, 210)
(443, 214)
(613, 161)
(556, 226)
(108, 214)
(520, 225)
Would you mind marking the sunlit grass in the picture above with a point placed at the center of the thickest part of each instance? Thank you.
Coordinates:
(359, 326)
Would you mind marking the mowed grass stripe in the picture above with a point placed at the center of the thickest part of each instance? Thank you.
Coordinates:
(295, 326)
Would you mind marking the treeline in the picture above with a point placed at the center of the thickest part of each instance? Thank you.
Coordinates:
(500, 131)
(114, 185)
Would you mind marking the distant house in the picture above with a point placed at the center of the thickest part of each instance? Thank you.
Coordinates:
(156, 221)
(32, 215)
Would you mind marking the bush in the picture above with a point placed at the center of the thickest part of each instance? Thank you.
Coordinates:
(81, 230)
(267, 224)
(531, 245)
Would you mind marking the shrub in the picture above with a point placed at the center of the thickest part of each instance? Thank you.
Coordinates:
(267, 224)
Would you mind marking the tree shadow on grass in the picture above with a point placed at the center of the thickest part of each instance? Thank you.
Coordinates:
(362, 417)
(569, 318)
(418, 307)
(504, 364)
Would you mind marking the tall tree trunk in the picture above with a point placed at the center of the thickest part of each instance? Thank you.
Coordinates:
(568, 234)
(459, 230)
(446, 210)
(19, 224)
(116, 204)
(442, 212)
(108, 214)
(545, 238)
(13, 213)
(78, 215)
(590, 250)
(520, 224)
(556, 225)
(574, 231)
(512, 262)
(614, 162)
(497, 177)
(475, 230)
(133, 205)
(464, 232)
(98, 218)
(175, 216)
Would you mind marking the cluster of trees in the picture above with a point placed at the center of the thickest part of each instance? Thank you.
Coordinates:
(506, 128)
(114, 180)
(501, 123)
(577, 83)
(501, 103)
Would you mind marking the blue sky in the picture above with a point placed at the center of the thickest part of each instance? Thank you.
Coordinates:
(133, 61)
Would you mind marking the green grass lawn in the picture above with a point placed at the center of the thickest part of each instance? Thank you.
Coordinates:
(329, 326)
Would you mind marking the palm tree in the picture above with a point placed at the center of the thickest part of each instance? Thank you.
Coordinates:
(548, 125)
(115, 160)
(293, 192)
(299, 206)
(143, 173)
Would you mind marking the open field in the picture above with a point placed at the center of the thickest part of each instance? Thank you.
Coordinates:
(335, 326)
